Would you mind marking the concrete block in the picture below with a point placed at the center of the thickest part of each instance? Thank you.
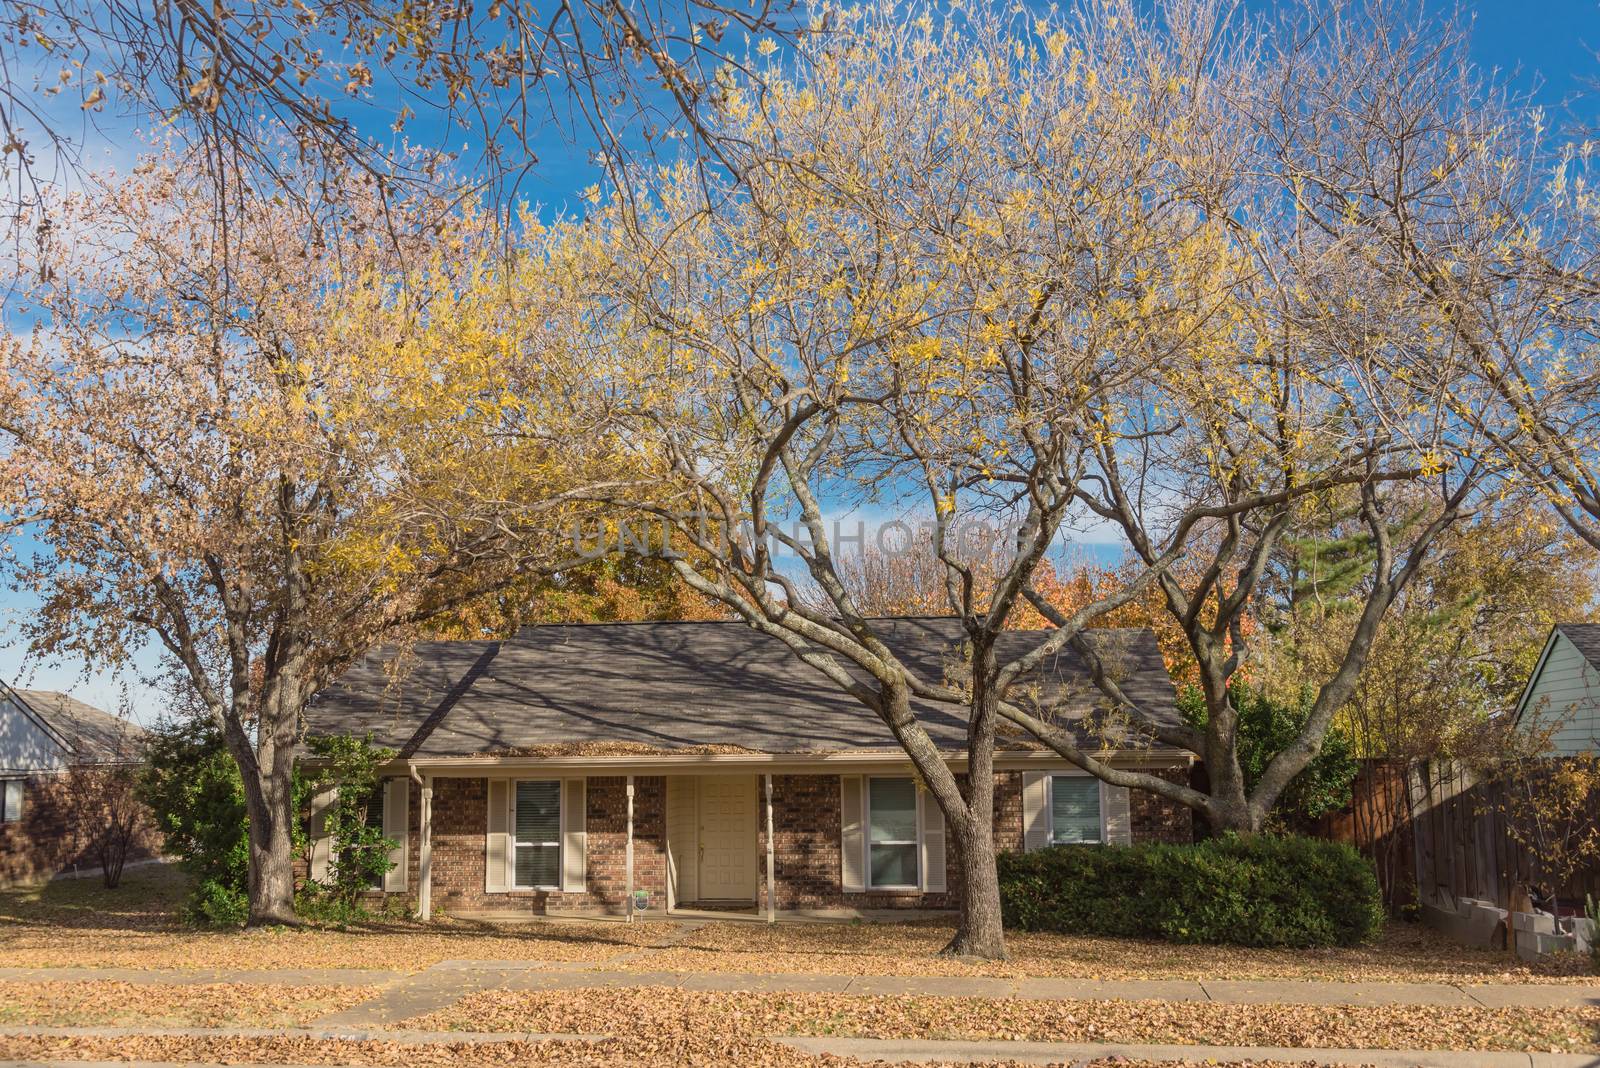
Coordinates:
(1533, 922)
(1480, 924)
(1585, 933)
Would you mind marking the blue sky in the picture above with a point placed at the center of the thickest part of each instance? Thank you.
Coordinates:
(1545, 47)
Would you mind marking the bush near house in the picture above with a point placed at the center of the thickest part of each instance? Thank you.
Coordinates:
(1263, 891)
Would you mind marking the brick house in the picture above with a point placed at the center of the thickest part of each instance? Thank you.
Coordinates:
(44, 736)
(605, 768)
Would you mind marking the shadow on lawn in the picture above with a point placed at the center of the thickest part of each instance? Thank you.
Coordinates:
(149, 901)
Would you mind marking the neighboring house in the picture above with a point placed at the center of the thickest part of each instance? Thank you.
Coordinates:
(1564, 688)
(43, 736)
(701, 765)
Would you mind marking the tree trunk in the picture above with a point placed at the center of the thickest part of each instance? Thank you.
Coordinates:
(268, 800)
(978, 929)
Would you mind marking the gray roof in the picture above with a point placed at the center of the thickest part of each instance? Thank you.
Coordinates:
(673, 686)
(1586, 636)
(96, 736)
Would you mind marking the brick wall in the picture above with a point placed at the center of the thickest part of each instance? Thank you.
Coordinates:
(45, 842)
(460, 821)
(1156, 819)
(806, 822)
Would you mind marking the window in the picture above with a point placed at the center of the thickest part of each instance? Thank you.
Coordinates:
(891, 833)
(1074, 809)
(11, 801)
(536, 826)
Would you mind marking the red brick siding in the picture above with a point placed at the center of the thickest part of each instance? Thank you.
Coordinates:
(1156, 819)
(45, 842)
(806, 844)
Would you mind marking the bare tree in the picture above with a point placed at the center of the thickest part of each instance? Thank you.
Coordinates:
(101, 803)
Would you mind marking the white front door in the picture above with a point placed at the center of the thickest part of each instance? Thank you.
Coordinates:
(728, 838)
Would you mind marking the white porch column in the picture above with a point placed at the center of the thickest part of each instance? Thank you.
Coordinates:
(772, 886)
(425, 854)
(629, 851)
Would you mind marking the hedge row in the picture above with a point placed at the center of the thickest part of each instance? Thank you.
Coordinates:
(1263, 891)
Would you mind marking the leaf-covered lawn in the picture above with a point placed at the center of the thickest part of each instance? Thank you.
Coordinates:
(78, 923)
(667, 1051)
(94, 1003)
(662, 1010)
(1404, 953)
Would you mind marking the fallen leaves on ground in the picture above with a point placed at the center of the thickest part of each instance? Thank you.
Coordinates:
(78, 923)
(664, 1010)
(1404, 953)
(98, 1002)
(674, 1050)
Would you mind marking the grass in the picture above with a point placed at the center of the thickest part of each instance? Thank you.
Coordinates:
(68, 923)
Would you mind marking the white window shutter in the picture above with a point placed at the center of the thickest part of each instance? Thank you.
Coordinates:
(574, 839)
(1116, 814)
(497, 839)
(1035, 810)
(396, 822)
(321, 843)
(931, 843)
(852, 835)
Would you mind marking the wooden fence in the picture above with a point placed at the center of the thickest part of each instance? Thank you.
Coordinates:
(1436, 834)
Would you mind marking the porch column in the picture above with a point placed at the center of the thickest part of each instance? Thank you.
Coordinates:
(425, 854)
(772, 887)
(629, 850)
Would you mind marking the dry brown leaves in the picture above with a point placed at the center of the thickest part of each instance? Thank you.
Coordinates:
(77, 923)
(663, 1010)
(97, 1002)
(706, 1053)
(1405, 953)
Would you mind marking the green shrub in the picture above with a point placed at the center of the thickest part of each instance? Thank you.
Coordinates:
(1263, 891)
(213, 903)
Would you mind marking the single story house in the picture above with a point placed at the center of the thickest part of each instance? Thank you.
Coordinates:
(43, 736)
(609, 768)
(1564, 689)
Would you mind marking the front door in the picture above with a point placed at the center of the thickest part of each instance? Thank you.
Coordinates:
(728, 838)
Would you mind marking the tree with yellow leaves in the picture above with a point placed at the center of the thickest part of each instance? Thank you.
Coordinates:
(253, 458)
(989, 271)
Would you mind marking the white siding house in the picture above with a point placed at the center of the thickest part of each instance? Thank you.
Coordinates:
(1565, 687)
(28, 744)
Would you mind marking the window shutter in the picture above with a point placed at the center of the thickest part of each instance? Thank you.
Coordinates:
(396, 820)
(321, 848)
(496, 846)
(574, 839)
(931, 843)
(1116, 812)
(852, 835)
(1035, 810)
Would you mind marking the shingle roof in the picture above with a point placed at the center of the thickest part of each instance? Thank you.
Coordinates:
(96, 736)
(666, 686)
(1586, 636)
